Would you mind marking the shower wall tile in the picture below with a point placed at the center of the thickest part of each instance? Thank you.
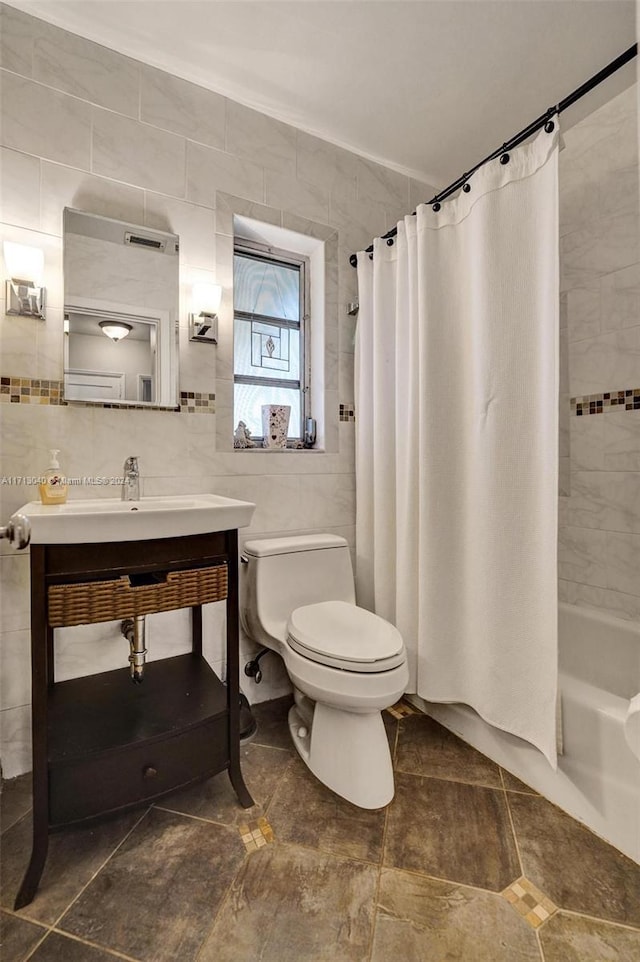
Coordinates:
(65, 187)
(16, 40)
(195, 225)
(621, 441)
(251, 134)
(34, 116)
(381, 184)
(20, 188)
(138, 154)
(581, 556)
(604, 246)
(623, 561)
(606, 500)
(583, 313)
(84, 69)
(306, 200)
(605, 363)
(182, 107)
(326, 165)
(587, 596)
(420, 192)
(210, 171)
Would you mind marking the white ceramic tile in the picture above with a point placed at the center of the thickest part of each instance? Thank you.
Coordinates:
(138, 153)
(251, 134)
(326, 165)
(20, 189)
(15, 741)
(357, 222)
(564, 427)
(15, 662)
(65, 187)
(185, 108)
(564, 310)
(228, 205)
(620, 308)
(619, 192)
(328, 500)
(214, 628)
(563, 380)
(85, 69)
(17, 337)
(157, 438)
(621, 441)
(609, 500)
(604, 599)
(45, 122)
(583, 313)
(16, 40)
(211, 170)
(587, 440)
(627, 279)
(168, 633)
(564, 477)
(623, 562)
(306, 200)
(346, 388)
(277, 499)
(203, 460)
(50, 346)
(606, 140)
(89, 649)
(606, 245)
(581, 556)
(14, 589)
(381, 184)
(225, 424)
(196, 227)
(606, 363)
(70, 429)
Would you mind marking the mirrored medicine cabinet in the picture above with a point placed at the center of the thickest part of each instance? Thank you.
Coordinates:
(120, 312)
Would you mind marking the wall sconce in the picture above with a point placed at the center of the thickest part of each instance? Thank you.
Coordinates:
(203, 321)
(24, 291)
(116, 330)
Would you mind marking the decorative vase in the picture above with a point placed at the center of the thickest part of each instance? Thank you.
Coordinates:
(275, 425)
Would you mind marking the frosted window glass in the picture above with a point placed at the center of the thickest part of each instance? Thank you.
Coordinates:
(262, 287)
(248, 401)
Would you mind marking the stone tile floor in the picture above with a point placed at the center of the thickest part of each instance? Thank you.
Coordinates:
(466, 864)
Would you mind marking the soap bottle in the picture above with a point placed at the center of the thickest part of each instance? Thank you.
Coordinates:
(54, 488)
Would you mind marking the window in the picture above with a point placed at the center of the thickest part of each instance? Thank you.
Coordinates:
(271, 313)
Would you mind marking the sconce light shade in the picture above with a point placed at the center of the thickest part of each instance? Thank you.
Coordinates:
(203, 321)
(24, 291)
(116, 330)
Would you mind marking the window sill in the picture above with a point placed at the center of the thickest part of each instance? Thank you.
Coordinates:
(279, 450)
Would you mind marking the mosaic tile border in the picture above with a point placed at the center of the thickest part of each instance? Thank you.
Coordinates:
(256, 834)
(197, 402)
(627, 400)
(29, 390)
(347, 412)
(529, 902)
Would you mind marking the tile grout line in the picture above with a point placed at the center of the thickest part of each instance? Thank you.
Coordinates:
(539, 943)
(596, 918)
(94, 945)
(513, 831)
(97, 872)
(38, 943)
(381, 861)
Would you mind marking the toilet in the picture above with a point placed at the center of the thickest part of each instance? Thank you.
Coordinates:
(346, 664)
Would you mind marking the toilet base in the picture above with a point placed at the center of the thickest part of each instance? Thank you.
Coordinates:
(347, 751)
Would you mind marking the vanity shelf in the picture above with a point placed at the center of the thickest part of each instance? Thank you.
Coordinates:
(101, 744)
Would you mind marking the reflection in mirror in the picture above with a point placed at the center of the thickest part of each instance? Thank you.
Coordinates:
(121, 312)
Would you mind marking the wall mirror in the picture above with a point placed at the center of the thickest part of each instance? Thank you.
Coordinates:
(120, 312)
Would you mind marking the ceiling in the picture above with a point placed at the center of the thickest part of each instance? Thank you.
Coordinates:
(425, 86)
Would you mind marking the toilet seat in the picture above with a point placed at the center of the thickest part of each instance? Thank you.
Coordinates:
(341, 635)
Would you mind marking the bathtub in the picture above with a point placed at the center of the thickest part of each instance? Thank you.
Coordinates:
(598, 776)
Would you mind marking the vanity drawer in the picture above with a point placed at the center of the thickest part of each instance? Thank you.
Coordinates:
(110, 781)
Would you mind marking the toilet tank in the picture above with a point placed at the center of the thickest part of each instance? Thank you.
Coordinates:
(281, 574)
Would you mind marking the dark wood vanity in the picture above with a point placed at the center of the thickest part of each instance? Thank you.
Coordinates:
(102, 745)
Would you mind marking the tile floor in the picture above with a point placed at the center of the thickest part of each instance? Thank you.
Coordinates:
(466, 865)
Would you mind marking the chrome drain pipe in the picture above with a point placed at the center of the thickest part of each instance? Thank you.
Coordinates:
(133, 630)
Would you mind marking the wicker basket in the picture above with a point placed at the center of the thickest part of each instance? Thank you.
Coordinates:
(94, 601)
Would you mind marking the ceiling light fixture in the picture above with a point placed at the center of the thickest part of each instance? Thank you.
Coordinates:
(116, 330)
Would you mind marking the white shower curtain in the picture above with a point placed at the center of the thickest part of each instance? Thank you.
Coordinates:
(457, 447)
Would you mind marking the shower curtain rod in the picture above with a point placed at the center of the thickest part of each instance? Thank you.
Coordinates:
(523, 135)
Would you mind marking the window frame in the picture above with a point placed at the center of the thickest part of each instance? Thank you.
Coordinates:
(267, 252)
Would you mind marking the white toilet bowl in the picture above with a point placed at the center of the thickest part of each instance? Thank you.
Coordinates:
(346, 664)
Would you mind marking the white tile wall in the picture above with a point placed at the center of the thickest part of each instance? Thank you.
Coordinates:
(86, 128)
(599, 539)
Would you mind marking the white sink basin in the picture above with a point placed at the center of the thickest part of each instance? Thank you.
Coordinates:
(84, 522)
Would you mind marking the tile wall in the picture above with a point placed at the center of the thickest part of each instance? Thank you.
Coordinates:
(599, 542)
(85, 127)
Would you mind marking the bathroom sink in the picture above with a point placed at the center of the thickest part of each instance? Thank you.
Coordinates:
(83, 522)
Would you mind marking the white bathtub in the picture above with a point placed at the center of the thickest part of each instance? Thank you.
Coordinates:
(598, 776)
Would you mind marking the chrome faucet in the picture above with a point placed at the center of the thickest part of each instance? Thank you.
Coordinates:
(131, 482)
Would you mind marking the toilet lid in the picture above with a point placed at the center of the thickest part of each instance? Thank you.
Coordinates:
(341, 634)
